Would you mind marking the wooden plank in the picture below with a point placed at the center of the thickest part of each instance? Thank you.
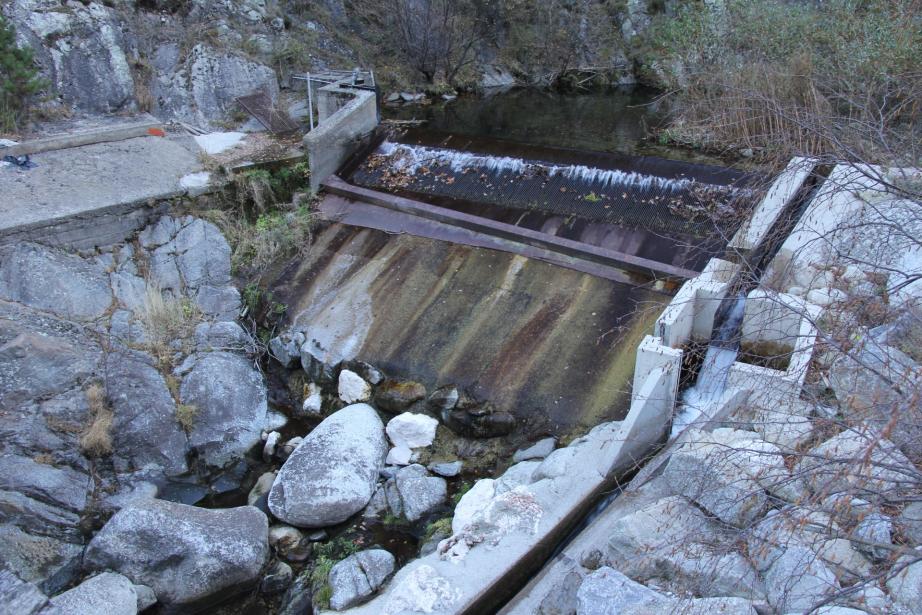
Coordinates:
(569, 247)
(119, 132)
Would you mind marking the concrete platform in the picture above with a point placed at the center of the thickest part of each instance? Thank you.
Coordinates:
(97, 179)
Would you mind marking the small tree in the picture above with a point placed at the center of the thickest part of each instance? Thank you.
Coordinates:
(438, 37)
(19, 79)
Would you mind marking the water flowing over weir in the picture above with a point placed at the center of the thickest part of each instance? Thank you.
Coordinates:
(672, 212)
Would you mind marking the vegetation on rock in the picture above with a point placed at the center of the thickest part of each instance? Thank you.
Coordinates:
(19, 78)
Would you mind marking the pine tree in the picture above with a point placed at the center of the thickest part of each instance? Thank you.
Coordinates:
(19, 79)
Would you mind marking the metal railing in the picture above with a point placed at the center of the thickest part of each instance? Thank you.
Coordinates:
(355, 79)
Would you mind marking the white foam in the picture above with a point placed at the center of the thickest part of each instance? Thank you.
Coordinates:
(217, 142)
(410, 158)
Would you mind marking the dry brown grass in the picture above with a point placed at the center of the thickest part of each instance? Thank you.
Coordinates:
(96, 440)
(185, 415)
(166, 319)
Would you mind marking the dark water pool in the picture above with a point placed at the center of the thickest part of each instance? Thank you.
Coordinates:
(612, 120)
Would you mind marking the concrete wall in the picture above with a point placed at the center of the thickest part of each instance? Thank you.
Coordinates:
(331, 99)
(100, 227)
(345, 117)
(766, 213)
(781, 319)
(690, 315)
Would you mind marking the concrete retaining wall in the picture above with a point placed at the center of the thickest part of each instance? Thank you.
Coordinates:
(100, 227)
(346, 115)
(766, 214)
(784, 320)
(690, 314)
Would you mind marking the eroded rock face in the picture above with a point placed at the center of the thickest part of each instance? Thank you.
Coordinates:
(84, 51)
(333, 472)
(54, 281)
(230, 400)
(202, 86)
(185, 554)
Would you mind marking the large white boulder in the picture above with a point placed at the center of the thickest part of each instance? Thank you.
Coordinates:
(333, 472)
(412, 430)
(109, 593)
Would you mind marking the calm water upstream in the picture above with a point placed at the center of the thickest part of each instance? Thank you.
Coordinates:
(612, 120)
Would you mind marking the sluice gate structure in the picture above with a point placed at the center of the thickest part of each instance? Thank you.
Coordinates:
(645, 216)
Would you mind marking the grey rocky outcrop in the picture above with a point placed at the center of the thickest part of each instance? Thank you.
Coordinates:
(108, 593)
(608, 592)
(43, 500)
(855, 461)
(18, 596)
(905, 586)
(102, 58)
(202, 86)
(333, 472)
(673, 538)
(54, 281)
(358, 577)
(191, 256)
(185, 554)
(145, 428)
(729, 472)
(84, 51)
(229, 397)
(41, 356)
(864, 383)
(50, 563)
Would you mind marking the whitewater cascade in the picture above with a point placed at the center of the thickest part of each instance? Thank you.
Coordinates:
(411, 158)
(712, 378)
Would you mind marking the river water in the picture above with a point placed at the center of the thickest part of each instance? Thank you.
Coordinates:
(619, 120)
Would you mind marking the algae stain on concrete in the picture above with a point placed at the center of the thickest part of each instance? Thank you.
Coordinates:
(519, 332)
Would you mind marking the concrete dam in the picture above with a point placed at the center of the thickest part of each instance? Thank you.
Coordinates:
(524, 273)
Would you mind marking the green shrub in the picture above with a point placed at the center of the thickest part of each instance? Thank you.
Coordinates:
(19, 80)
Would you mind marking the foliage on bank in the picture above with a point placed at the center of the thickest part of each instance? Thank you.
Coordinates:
(19, 79)
(841, 76)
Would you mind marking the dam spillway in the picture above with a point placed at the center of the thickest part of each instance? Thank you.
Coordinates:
(670, 212)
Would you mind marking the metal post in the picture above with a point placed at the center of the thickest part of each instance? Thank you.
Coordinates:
(310, 102)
